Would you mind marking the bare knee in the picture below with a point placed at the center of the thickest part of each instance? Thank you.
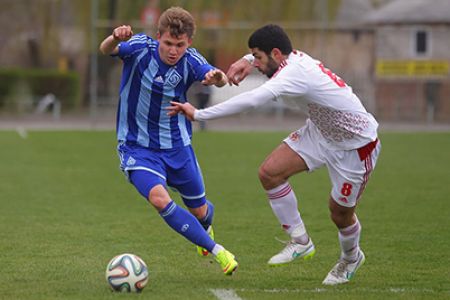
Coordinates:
(341, 216)
(267, 180)
(158, 197)
(342, 220)
(199, 212)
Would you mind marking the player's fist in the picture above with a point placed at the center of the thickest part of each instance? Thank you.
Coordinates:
(122, 33)
(216, 77)
(238, 71)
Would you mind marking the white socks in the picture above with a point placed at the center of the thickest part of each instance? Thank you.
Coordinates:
(284, 205)
(349, 240)
(217, 248)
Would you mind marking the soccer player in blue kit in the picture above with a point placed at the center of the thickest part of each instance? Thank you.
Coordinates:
(155, 150)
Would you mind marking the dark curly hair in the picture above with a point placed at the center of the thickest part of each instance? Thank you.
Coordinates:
(269, 37)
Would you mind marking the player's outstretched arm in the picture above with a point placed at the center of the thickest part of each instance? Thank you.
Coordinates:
(119, 34)
(239, 70)
(181, 108)
(239, 103)
(215, 77)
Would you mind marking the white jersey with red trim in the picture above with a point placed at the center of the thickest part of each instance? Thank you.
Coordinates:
(304, 83)
(334, 110)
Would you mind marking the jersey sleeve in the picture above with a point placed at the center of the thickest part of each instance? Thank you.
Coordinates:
(133, 45)
(198, 64)
(236, 104)
(291, 80)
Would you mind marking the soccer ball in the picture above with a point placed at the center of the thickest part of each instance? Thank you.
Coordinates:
(127, 273)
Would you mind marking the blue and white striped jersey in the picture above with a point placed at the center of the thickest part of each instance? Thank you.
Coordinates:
(147, 87)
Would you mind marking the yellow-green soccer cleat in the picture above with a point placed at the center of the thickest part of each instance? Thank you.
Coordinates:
(227, 262)
(202, 251)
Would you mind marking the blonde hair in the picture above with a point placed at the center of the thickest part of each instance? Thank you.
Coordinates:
(177, 21)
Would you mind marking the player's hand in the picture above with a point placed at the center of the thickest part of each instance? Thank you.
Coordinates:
(215, 77)
(181, 108)
(238, 71)
(122, 33)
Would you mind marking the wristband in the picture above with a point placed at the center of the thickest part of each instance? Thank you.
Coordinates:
(250, 58)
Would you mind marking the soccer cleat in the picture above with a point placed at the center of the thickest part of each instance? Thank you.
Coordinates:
(227, 262)
(292, 251)
(343, 271)
(202, 251)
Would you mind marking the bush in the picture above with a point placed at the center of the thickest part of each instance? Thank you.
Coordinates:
(40, 82)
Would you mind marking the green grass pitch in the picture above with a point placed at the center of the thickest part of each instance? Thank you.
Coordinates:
(66, 210)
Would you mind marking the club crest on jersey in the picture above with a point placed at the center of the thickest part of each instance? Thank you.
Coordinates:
(173, 78)
(294, 136)
(343, 199)
(131, 161)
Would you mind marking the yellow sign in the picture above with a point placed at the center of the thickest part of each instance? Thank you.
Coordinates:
(412, 68)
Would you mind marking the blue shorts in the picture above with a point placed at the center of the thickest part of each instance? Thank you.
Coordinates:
(177, 168)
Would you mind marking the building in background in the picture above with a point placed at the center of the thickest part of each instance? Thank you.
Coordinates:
(394, 53)
(411, 58)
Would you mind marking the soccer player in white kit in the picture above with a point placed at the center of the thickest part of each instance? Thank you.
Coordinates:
(339, 134)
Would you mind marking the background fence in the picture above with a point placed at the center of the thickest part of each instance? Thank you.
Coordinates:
(53, 54)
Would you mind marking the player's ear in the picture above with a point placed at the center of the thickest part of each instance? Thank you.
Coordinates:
(158, 35)
(277, 55)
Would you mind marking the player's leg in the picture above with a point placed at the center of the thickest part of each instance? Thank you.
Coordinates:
(146, 170)
(180, 219)
(203, 210)
(349, 232)
(273, 174)
(285, 161)
(349, 229)
(175, 216)
(204, 214)
(349, 177)
(186, 178)
(184, 175)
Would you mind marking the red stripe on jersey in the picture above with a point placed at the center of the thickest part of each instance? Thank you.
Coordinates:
(282, 65)
(369, 167)
(365, 155)
(366, 150)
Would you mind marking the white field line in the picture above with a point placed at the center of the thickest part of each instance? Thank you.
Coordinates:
(225, 294)
(22, 132)
(392, 290)
(230, 294)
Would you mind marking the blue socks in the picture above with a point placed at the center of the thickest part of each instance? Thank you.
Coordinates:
(187, 225)
(207, 219)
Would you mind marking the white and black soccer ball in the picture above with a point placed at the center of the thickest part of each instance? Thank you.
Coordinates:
(127, 273)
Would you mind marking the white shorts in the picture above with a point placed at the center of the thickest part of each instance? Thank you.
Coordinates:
(349, 170)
